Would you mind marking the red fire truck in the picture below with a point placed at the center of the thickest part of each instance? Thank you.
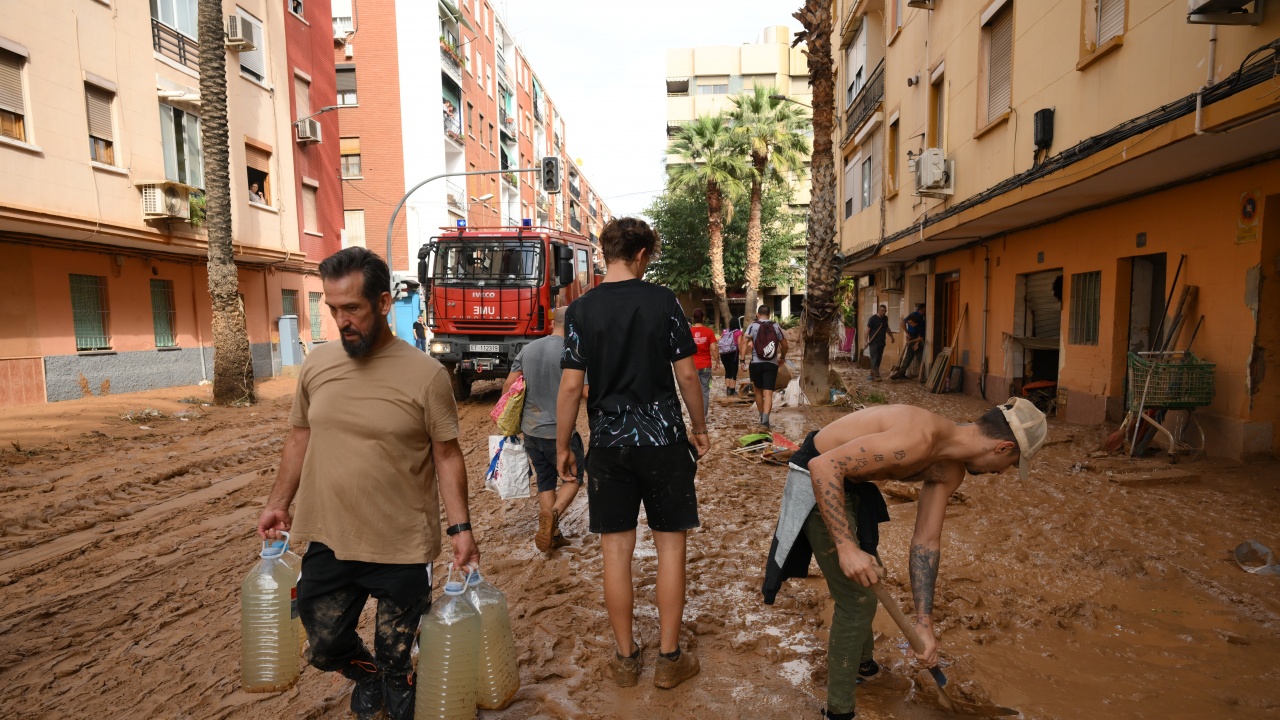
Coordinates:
(489, 291)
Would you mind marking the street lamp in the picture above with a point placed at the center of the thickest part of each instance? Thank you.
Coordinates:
(784, 98)
(324, 109)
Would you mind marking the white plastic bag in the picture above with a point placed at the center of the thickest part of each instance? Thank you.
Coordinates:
(508, 473)
(793, 395)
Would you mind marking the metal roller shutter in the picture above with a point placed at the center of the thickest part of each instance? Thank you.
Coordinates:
(1046, 310)
(254, 60)
(346, 76)
(349, 146)
(257, 159)
(1110, 19)
(98, 106)
(999, 62)
(11, 83)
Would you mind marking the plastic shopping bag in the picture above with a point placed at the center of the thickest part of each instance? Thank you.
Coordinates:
(509, 408)
(508, 473)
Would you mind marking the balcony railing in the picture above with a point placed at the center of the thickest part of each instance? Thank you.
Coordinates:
(456, 195)
(452, 62)
(510, 177)
(174, 45)
(576, 224)
(592, 210)
(452, 125)
(575, 191)
(865, 103)
(542, 202)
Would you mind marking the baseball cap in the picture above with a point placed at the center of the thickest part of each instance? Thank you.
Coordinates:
(1029, 427)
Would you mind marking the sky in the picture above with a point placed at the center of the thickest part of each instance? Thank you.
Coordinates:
(603, 63)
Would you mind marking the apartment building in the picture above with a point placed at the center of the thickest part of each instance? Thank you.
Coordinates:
(1038, 175)
(496, 116)
(103, 284)
(701, 80)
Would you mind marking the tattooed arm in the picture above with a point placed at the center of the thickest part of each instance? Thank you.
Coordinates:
(926, 546)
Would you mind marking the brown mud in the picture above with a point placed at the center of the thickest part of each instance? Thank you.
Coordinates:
(122, 546)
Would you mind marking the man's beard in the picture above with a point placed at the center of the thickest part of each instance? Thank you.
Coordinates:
(360, 348)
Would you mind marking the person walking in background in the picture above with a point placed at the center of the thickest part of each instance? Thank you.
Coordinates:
(877, 329)
(766, 345)
(703, 359)
(913, 329)
(539, 364)
(628, 334)
(420, 332)
(728, 347)
(373, 426)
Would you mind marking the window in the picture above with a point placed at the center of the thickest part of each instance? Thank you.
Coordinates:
(855, 65)
(289, 302)
(97, 103)
(481, 129)
(866, 182)
(177, 14)
(301, 96)
(89, 312)
(353, 235)
(295, 7)
(937, 112)
(254, 62)
(12, 110)
(180, 136)
(1110, 19)
(1086, 301)
(892, 151)
(488, 79)
(346, 78)
(713, 89)
(257, 160)
(470, 108)
(997, 48)
(897, 14)
(313, 312)
(162, 313)
(350, 154)
(491, 136)
(584, 269)
(850, 187)
(310, 223)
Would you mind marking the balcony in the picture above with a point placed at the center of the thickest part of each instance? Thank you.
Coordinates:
(510, 177)
(450, 61)
(507, 124)
(174, 45)
(456, 196)
(342, 27)
(575, 223)
(592, 209)
(542, 203)
(865, 103)
(574, 190)
(452, 122)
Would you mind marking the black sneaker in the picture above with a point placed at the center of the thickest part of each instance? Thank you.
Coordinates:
(366, 696)
(399, 697)
(867, 670)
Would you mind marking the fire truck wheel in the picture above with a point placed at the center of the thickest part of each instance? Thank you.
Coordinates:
(461, 384)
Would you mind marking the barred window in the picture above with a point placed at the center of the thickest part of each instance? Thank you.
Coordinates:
(313, 305)
(1086, 303)
(162, 313)
(89, 312)
(289, 302)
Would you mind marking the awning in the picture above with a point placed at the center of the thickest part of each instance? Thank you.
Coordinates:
(456, 14)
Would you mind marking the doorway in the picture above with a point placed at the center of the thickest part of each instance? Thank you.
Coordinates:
(1037, 336)
(1146, 300)
(948, 312)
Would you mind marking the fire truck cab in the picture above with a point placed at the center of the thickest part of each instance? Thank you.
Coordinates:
(489, 291)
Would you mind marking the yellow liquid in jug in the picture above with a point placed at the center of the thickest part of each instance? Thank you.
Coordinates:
(269, 659)
(447, 669)
(499, 676)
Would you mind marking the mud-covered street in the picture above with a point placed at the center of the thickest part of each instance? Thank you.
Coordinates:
(1072, 595)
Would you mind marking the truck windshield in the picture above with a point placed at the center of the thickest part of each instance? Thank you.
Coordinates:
(488, 262)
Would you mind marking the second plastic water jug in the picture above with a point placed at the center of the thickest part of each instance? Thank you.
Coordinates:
(448, 657)
(269, 659)
(499, 674)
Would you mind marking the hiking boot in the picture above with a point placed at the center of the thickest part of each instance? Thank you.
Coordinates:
(548, 528)
(558, 541)
(626, 670)
(668, 672)
(366, 698)
(398, 696)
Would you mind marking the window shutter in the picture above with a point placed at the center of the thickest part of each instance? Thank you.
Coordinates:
(349, 146)
(255, 60)
(1110, 19)
(98, 105)
(11, 82)
(999, 62)
(194, 156)
(346, 76)
(301, 96)
(169, 140)
(939, 111)
(257, 159)
(309, 221)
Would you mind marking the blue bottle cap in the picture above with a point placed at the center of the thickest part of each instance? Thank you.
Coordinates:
(473, 578)
(454, 588)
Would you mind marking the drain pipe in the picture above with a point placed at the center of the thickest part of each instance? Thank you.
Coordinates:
(1213, 53)
(986, 295)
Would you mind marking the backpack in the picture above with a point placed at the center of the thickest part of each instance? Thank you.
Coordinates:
(766, 341)
(729, 342)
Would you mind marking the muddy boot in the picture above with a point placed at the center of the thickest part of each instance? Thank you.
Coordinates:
(867, 670)
(366, 697)
(626, 670)
(558, 541)
(548, 527)
(398, 696)
(671, 671)
(827, 715)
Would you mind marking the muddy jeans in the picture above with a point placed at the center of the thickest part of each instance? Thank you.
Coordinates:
(851, 638)
(331, 596)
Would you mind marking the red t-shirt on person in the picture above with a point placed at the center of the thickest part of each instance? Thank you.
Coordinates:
(703, 338)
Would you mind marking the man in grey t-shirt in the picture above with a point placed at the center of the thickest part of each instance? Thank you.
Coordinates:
(539, 363)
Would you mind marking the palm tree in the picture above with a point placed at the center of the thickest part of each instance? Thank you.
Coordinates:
(822, 272)
(774, 133)
(232, 358)
(714, 164)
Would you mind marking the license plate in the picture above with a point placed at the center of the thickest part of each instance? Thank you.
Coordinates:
(484, 348)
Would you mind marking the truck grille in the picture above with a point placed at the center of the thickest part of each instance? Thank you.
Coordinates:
(487, 326)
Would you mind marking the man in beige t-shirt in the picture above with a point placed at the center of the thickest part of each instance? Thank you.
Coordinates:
(373, 426)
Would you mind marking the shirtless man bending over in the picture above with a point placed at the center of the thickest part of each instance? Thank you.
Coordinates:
(894, 442)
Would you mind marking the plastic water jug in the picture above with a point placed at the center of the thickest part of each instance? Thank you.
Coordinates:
(449, 657)
(294, 561)
(499, 674)
(269, 659)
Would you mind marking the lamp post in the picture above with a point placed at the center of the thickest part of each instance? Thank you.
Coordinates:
(784, 98)
(322, 110)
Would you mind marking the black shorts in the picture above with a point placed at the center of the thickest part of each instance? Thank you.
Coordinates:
(730, 362)
(764, 375)
(659, 476)
(542, 454)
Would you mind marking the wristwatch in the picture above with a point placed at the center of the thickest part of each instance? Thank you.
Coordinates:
(459, 528)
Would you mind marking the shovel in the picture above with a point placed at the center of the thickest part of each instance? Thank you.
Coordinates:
(959, 707)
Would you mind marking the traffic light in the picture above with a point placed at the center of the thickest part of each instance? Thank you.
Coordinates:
(551, 174)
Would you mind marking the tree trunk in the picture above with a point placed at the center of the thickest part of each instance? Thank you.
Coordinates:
(714, 230)
(232, 359)
(753, 236)
(822, 273)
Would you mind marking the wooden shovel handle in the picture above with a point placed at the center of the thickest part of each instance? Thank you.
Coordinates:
(891, 604)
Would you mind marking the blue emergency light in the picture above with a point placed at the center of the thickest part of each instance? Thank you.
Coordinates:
(527, 222)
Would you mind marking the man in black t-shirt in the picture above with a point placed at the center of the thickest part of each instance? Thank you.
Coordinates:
(877, 329)
(913, 329)
(420, 332)
(627, 334)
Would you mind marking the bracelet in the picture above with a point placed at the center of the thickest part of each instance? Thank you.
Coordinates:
(704, 432)
(459, 528)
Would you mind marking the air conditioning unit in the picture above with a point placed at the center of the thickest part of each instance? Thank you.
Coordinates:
(935, 175)
(889, 280)
(165, 200)
(308, 130)
(1225, 12)
(922, 4)
(241, 35)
